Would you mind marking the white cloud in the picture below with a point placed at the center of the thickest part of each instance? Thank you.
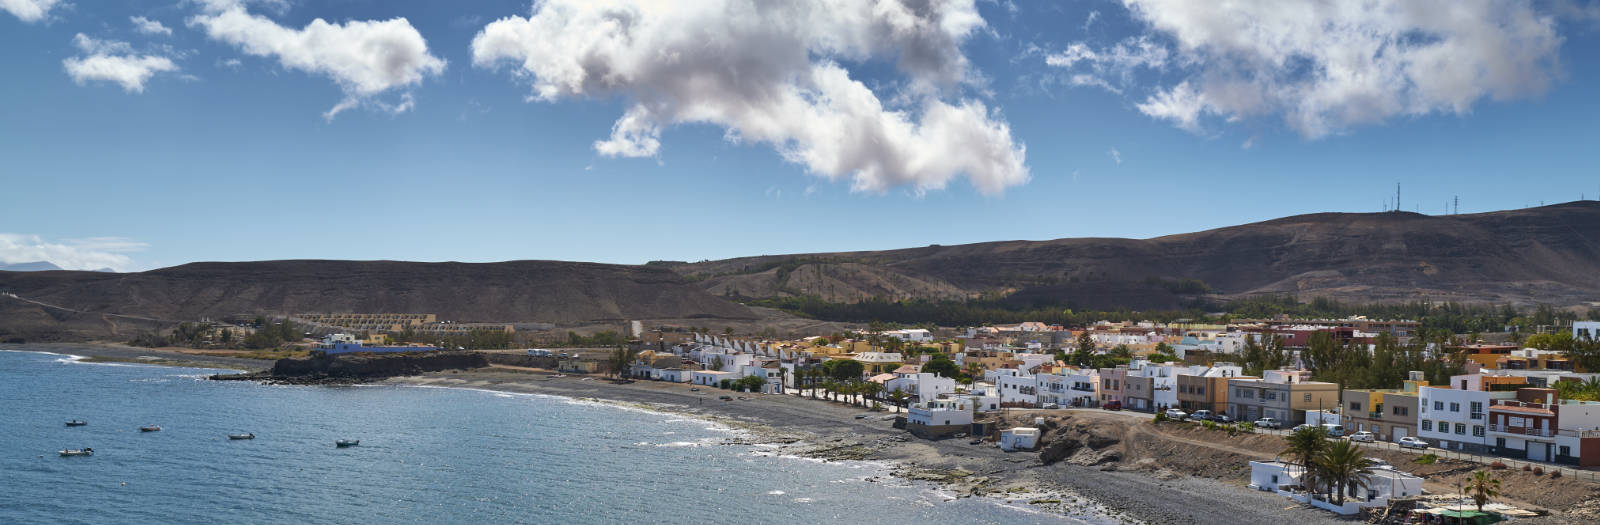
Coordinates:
(1115, 156)
(28, 10)
(770, 73)
(1326, 65)
(113, 61)
(1119, 63)
(148, 26)
(366, 58)
(73, 254)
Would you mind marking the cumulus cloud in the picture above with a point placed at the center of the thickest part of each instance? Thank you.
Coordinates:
(365, 57)
(113, 61)
(93, 253)
(771, 73)
(28, 10)
(1324, 66)
(148, 26)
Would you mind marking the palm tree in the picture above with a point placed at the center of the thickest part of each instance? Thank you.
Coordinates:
(1342, 465)
(873, 389)
(1483, 486)
(1305, 446)
(899, 398)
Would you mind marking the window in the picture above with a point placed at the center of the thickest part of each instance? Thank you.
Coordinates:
(1402, 411)
(1477, 430)
(1455, 407)
(1200, 390)
(1477, 410)
(1565, 451)
(1444, 427)
(1308, 398)
(1461, 428)
(1438, 405)
(1427, 425)
(1355, 407)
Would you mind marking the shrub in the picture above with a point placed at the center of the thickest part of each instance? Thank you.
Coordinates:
(1538, 471)
(1555, 473)
(1526, 468)
(1497, 465)
(1162, 416)
(1210, 425)
(1247, 427)
(1427, 459)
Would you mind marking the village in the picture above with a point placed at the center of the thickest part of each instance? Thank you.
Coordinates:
(1498, 406)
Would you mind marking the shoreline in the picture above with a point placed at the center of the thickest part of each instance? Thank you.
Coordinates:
(828, 431)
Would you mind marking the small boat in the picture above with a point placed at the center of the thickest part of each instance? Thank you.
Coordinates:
(251, 435)
(150, 428)
(347, 443)
(77, 423)
(85, 451)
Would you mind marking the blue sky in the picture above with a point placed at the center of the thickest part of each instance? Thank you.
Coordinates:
(484, 148)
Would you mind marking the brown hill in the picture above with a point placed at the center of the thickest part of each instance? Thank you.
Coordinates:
(518, 291)
(1549, 254)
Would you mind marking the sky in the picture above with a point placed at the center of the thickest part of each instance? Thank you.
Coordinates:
(141, 134)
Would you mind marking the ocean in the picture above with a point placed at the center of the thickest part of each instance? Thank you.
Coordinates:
(427, 455)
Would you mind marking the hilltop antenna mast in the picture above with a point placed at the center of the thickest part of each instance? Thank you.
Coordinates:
(1397, 197)
(1458, 206)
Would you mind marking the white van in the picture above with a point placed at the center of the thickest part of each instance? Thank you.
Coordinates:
(1333, 430)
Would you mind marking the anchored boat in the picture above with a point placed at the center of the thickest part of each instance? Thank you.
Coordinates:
(251, 435)
(77, 423)
(85, 451)
(150, 428)
(347, 443)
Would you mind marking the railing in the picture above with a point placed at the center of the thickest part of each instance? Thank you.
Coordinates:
(1375, 415)
(1536, 432)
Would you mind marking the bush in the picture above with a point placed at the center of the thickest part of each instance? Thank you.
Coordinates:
(1427, 459)
(1555, 474)
(1162, 416)
(1538, 471)
(1247, 427)
(1210, 425)
(1497, 465)
(1526, 468)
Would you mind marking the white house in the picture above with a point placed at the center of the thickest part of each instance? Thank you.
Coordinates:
(1052, 389)
(941, 412)
(1020, 438)
(1083, 387)
(911, 335)
(1456, 419)
(675, 375)
(1274, 475)
(1017, 390)
(921, 386)
(712, 377)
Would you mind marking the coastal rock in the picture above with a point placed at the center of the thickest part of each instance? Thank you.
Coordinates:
(358, 368)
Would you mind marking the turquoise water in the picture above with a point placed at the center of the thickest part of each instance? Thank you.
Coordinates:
(427, 455)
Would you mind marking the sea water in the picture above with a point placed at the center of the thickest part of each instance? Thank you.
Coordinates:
(427, 455)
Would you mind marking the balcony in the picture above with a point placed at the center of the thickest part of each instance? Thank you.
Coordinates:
(1523, 431)
(1375, 415)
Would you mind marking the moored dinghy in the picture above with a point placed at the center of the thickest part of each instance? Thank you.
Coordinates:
(347, 443)
(77, 423)
(85, 451)
(150, 428)
(251, 435)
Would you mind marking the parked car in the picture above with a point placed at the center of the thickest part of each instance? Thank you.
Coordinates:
(1412, 442)
(1222, 418)
(1112, 405)
(1268, 422)
(1050, 406)
(1334, 430)
(1202, 415)
(1303, 426)
(1177, 414)
(1364, 437)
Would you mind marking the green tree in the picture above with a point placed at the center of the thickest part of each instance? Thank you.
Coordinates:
(847, 369)
(942, 366)
(1483, 485)
(1343, 466)
(1083, 355)
(1304, 447)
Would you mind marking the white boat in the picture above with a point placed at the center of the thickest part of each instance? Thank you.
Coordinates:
(85, 451)
(251, 435)
(347, 443)
(77, 423)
